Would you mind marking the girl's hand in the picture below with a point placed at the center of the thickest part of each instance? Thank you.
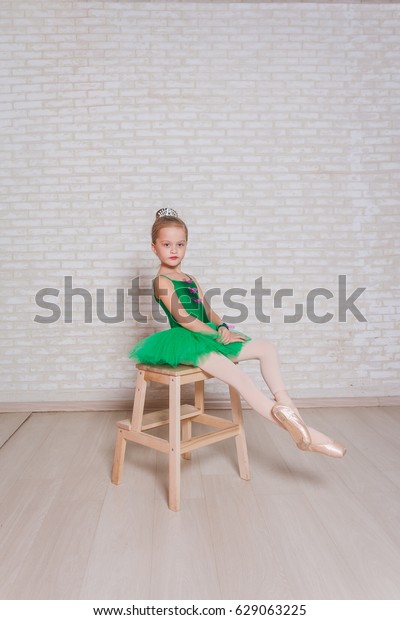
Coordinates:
(226, 337)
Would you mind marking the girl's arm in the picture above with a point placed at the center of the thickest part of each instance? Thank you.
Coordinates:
(166, 292)
(212, 316)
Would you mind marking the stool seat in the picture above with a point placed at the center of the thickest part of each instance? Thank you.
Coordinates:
(179, 418)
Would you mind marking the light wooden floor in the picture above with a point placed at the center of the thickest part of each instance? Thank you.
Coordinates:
(305, 527)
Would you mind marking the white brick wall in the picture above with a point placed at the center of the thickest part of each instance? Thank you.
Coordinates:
(272, 128)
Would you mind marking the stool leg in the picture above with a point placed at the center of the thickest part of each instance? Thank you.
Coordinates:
(138, 404)
(187, 424)
(199, 395)
(174, 443)
(119, 456)
(241, 445)
(186, 434)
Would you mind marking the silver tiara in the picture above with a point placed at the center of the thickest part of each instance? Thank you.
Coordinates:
(166, 211)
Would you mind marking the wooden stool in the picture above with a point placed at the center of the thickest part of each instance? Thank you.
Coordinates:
(178, 416)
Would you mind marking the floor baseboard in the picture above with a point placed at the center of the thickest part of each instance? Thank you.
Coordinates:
(126, 405)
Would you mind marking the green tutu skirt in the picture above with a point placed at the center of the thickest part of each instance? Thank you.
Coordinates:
(178, 345)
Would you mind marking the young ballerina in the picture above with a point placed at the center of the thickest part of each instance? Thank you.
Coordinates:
(198, 337)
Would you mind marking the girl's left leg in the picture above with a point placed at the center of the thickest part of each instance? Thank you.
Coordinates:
(267, 353)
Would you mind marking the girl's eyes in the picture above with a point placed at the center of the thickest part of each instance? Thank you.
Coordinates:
(165, 244)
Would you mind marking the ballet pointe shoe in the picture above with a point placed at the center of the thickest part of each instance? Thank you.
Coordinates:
(295, 426)
(329, 449)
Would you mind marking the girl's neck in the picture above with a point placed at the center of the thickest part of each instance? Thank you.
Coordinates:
(165, 272)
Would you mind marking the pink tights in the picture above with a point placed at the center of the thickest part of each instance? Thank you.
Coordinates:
(226, 370)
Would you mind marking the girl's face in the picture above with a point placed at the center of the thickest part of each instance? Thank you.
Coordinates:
(170, 246)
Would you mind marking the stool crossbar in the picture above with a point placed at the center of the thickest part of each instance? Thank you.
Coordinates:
(179, 417)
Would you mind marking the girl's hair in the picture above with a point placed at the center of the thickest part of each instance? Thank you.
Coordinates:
(165, 221)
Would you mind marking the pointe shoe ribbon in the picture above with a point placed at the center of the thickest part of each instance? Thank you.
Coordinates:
(293, 424)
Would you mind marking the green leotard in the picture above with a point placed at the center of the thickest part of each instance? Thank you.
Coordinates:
(179, 345)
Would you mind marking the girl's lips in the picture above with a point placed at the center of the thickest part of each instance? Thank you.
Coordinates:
(173, 257)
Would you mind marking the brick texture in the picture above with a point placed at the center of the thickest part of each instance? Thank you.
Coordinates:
(273, 129)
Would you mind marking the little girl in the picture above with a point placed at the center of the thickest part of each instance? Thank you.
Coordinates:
(199, 338)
